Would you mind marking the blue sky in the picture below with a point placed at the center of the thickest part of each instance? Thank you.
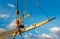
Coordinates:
(50, 7)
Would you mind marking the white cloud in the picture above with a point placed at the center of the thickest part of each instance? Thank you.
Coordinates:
(30, 33)
(55, 34)
(12, 25)
(4, 16)
(56, 31)
(26, 36)
(36, 31)
(45, 36)
(11, 5)
(2, 30)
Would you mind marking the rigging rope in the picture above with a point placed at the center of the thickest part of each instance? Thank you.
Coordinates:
(26, 5)
(22, 36)
(44, 13)
(37, 4)
(24, 12)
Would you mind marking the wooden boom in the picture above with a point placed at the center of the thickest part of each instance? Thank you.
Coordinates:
(37, 25)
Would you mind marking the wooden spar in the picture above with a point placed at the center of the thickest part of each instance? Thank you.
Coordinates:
(37, 25)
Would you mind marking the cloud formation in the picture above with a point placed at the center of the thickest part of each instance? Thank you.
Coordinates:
(12, 25)
(2, 30)
(4, 16)
(55, 34)
(11, 5)
(56, 31)
(46, 36)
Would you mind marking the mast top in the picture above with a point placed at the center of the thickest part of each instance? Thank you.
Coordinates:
(17, 5)
(17, 12)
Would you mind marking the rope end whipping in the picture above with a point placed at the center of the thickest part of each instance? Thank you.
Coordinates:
(52, 18)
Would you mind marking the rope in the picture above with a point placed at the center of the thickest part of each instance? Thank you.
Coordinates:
(44, 13)
(24, 12)
(26, 4)
(37, 4)
(22, 36)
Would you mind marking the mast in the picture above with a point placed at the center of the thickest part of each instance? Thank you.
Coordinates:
(17, 14)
